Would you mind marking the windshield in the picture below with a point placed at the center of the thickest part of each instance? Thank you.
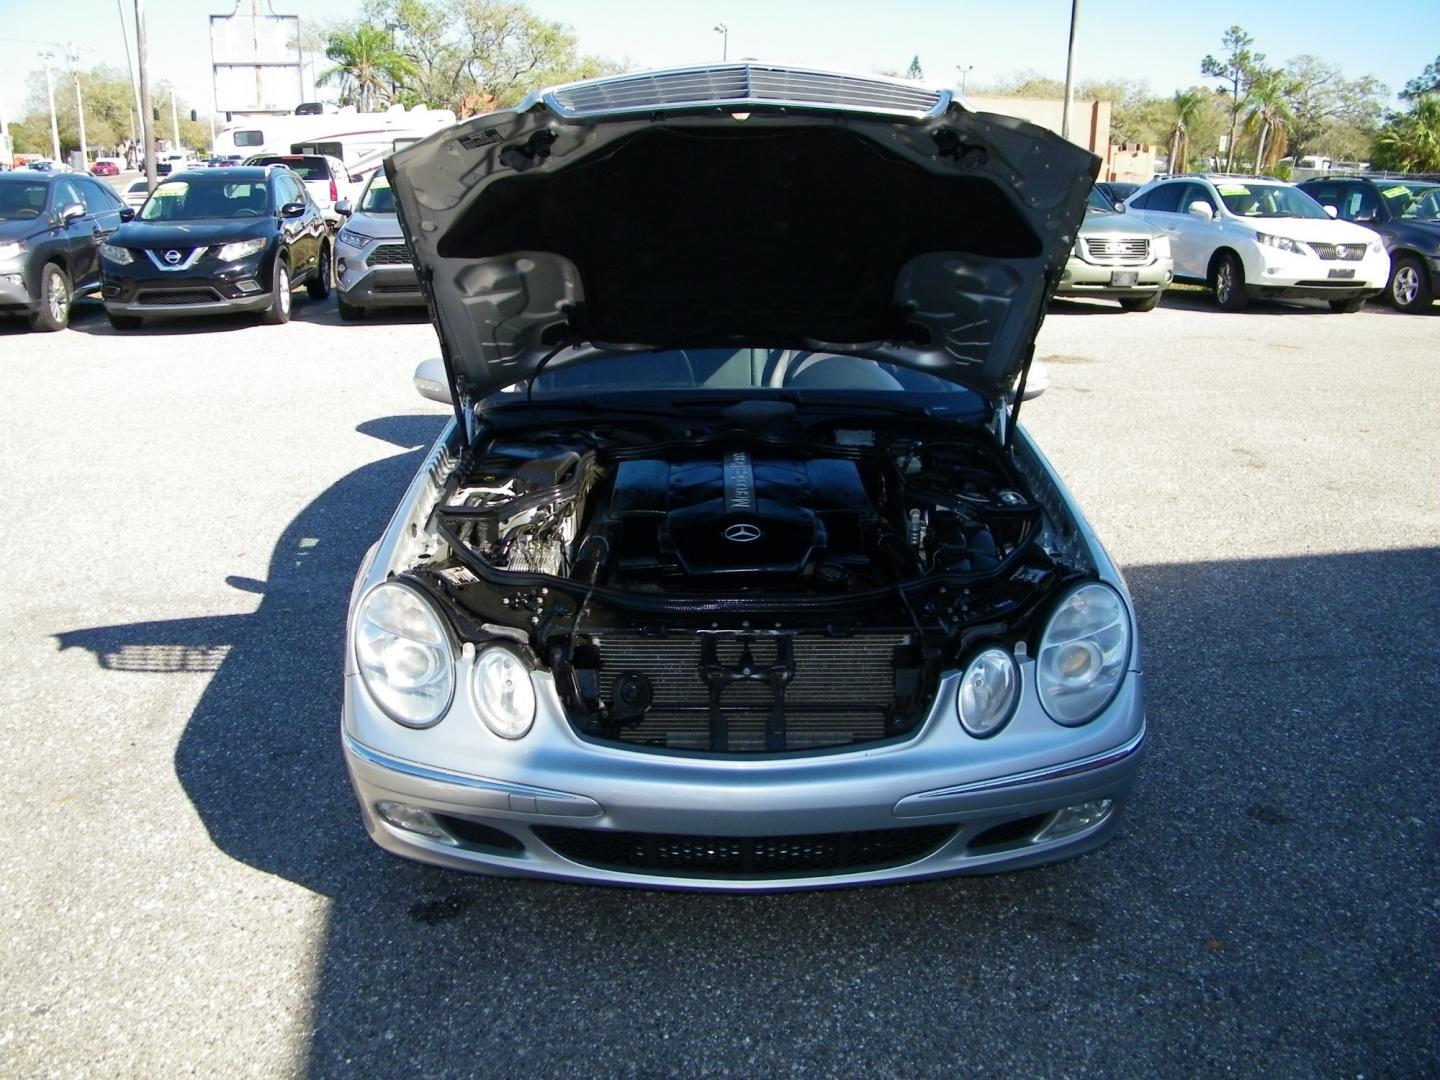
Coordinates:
(1415, 202)
(729, 370)
(192, 200)
(1268, 201)
(1097, 201)
(379, 199)
(20, 200)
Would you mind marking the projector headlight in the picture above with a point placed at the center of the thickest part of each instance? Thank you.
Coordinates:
(240, 249)
(989, 690)
(1284, 243)
(404, 654)
(118, 255)
(1083, 654)
(504, 694)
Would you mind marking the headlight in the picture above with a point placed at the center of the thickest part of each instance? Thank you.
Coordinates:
(1160, 247)
(239, 249)
(353, 238)
(15, 247)
(118, 255)
(988, 692)
(404, 654)
(504, 694)
(1083, 654)
(1284, 243)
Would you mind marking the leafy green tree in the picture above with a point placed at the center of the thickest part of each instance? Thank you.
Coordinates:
(1331, 114)
(367, 66)
(1185, 108)
(915, 71)
(1236, 71)
(1410, 142)
(1269, 115)
(1427, 82)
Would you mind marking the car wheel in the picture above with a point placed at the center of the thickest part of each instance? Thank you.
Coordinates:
(1409, 288)
(124, 322)
(54, 311)
(1228, 281)
(279, 310)
(349, 312)
(1353, 304)
(1141, 303)
(319, 285)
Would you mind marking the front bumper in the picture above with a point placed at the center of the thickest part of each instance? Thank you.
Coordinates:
(14, 296)
(1082, 278)
(1283, 274)
(208, 289)
(383, 285)
(529, 808)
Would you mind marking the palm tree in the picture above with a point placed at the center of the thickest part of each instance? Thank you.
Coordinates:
(1411, 142)
(1186, 105)
(1269, 114)
(367, 65)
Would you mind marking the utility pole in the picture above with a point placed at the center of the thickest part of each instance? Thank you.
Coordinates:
(145, 113)
(50, 93)
(7, 157)
(1070, 72)
(72, 54)
(174, 120)
(129, 64)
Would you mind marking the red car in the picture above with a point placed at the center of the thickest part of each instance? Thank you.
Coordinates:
(105, 168)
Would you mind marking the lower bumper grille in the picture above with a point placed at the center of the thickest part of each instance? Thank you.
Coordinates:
(745, 857)
(411, 289)
(839, 691)
(178, 297)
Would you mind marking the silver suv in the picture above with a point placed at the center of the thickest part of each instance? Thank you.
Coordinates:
(372, 262)
(1117, 257)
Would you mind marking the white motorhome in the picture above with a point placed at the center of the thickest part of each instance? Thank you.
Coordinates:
(360, 140)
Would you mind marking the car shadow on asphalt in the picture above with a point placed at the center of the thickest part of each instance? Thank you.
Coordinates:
(1285, 694)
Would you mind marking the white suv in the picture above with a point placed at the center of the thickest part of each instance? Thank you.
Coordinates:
(1246, 237)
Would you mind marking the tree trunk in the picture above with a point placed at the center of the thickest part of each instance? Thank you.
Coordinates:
(1260, 149)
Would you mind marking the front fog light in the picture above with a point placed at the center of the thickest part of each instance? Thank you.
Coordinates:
(504, 694)
(988, 692)
(409, 818)
(1075, 819)
(248, 286)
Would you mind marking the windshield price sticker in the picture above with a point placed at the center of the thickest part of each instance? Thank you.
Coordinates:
(1233, 189)
(1398, 189)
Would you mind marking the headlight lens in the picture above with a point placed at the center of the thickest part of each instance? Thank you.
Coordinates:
(988, 692)
(1284, 243)
(404, 654)
(504, 694)
(1160, 247)
(15, 247)
(118, 255)
(1083, 654)
(240, 249)
(353, 238)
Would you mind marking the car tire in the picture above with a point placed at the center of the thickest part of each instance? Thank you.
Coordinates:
(124, 322)
(349, 312)
(319, 284)
(280, 296)
(1355, 303)
(1141, 303)
(55, 296)
(1228, 282)
(1409, 288)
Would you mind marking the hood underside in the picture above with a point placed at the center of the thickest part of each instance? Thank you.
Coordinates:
(743, 206)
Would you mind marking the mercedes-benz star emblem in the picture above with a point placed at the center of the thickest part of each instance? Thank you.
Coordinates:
(742, 533)
(172, 256)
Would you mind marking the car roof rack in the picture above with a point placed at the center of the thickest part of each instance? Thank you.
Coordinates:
(1225, 176)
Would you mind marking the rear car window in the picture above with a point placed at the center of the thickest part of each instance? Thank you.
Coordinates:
(309, 168)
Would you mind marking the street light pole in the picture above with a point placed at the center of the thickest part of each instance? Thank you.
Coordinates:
(50, 93)
(724, 32)
(1070, 71)
(72, 54)
(964, 74)
(130, 65)
(174, 120)
(147, 131)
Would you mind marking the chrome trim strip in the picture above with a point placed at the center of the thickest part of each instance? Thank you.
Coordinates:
(1036, 776)
(583, 807)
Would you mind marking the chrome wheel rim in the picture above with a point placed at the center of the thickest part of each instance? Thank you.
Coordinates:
(59, 301)
(1223, 283)
(1406, 285)
(283, 300)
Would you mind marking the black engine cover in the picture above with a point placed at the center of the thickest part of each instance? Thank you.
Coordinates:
(738, 515)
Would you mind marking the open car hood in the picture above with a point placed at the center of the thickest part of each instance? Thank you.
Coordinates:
(740, 205)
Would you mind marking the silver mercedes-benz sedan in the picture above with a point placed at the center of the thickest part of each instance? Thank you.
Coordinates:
(733, 570)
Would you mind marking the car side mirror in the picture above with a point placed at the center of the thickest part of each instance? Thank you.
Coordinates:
(432, 382)
(71, 212)
(1365, 217)
(293, 209)
(343, 208)
(1200, 209)
(1333, 211)
(127, 213)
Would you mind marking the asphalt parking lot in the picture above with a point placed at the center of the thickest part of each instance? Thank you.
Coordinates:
(185, 887)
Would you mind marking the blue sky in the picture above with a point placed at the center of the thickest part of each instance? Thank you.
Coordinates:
(1390, 39)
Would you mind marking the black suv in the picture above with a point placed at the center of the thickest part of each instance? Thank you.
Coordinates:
(1406, 214)
(50, 227)
(214, 241)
